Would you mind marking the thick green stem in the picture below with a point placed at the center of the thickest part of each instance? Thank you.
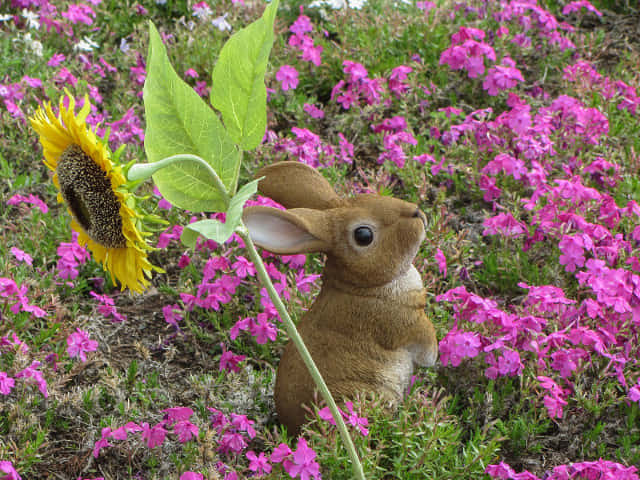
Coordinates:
(302, 349)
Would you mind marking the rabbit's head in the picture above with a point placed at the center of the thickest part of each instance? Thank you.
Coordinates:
(369, 240)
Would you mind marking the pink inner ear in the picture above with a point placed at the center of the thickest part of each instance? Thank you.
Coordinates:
(277, 234)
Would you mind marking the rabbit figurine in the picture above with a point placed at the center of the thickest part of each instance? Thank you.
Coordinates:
(367, 327)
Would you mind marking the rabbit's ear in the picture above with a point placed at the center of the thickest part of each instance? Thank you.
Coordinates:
(288, 232)
(296, 185)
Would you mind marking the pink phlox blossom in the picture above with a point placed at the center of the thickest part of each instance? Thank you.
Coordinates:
(121, 433)
(218, 419)
(457, 345)
(356, 72)
(171, 233)
(310, 52)
(243, 267)
(346, 149)
(393, 148)
(241, 325)
(301, 26)
(263, 330)
(191, 476)
(34, 375)
(506, 164)
(243, 424)
(6, 383)
(281, 453)
(576, 6)
(56, 59)
(177, 414)
(258, 463)
(302, 462)
(21, 256)
(394, 124)
(185, 430)
(31, 199)
(634, 392)
(423, 158)
(201, 10)
(155, 435)
(171, 315)
(232, 442)
(79, 13)
(107, 307)
(502, 471)
(361, 423)
(441, 260)
(304, 282)
(500, 77)
(79, 344)
(469, 56)
(397, 78)
(599, 469)
(426, 6)
(313, 111)
(230, 361)
(103, 442)
(504, 224)
(11, 473)
(288, 77)
(488, 186)
(467, 33)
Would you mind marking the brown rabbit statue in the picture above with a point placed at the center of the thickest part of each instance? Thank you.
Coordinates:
(367, 327)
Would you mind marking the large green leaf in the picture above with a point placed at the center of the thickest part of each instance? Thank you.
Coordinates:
(218, 231)
(178, 122)
(238, 89)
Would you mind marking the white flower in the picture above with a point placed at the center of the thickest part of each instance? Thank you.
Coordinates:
(202, 11)
(221, 23)
(6, 18)
(36, 48)
(31, 18)
(161, 2)
(357, 4)
(124, 46)
(86, 45)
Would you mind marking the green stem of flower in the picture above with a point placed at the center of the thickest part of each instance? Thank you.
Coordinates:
(292, 331)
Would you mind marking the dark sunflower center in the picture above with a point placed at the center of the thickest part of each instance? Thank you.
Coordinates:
(87, 190)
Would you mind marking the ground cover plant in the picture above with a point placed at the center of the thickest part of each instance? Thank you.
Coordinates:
(514, 125)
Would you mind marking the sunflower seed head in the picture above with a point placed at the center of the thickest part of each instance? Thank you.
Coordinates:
(87, 191)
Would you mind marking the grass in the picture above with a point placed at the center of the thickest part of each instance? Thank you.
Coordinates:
(456, 421)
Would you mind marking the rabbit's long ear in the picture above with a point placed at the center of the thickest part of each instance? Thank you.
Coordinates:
(288, 232)
(296, 185)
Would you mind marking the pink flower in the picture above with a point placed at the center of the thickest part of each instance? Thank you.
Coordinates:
(288, 77)
(634, 393)
(153, 435)
(6, 383)
(7, 467)
(303, 463)
(280, 453)
(313, 111)
(56, 59)
(263, 330)
(301, 26)
(79, 13)
(243, 267)
(456, 346)
(355, 71)
(229, 361)
(170, 313)
(21, 256)
(501, 471)
(442, 262)
(103, 442)
(78, 344)
(501, 78)
(185, 430)
(258, 464)
(191, 73)
(575, 6)
(191, 476)
(36, 377)
(177, 414)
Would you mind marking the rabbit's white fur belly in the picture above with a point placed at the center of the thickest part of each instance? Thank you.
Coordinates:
(400, 370)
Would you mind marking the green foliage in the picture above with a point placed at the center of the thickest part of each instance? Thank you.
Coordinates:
(180, 122)
(237, 86)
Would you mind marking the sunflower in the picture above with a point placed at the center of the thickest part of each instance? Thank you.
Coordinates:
(95, 192)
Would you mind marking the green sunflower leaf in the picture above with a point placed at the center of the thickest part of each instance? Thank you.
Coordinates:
(216, 230)
(238, 88)
(180, 122)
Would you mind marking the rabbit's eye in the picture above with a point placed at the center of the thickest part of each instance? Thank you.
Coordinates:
(363, 236)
